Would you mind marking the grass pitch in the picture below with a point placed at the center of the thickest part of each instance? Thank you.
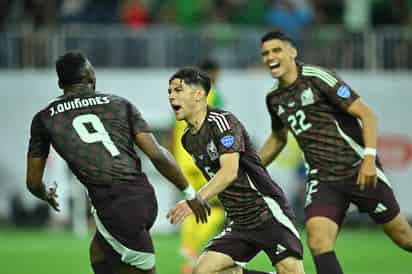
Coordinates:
(361, 251)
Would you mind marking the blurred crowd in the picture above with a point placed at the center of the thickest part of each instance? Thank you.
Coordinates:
(290, 15)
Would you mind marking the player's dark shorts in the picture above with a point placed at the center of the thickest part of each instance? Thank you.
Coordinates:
(275, 239)
(332, 200)
(124, 214)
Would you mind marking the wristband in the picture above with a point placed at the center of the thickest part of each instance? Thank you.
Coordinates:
(189, 192)
(369, 151)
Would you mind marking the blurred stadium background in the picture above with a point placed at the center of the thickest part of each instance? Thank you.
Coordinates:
(135, 45)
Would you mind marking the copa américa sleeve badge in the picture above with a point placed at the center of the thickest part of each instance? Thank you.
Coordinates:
(227, 140)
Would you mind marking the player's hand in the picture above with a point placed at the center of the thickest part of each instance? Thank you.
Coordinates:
(51, 196)
(200, 208)
(177, 214)
(367, 173)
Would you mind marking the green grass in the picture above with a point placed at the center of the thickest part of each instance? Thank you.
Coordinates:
(361, 251)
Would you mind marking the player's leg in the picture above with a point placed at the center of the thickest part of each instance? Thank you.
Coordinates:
(128, 269)
(325, 210)
(99, 263)
(399, 230)
(290, 265)
(213, 262)
(381, 205)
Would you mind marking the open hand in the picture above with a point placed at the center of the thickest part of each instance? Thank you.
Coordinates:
(367, 173)
(51, 196)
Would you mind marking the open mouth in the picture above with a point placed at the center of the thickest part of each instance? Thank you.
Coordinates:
(176, 107)
(274, 65)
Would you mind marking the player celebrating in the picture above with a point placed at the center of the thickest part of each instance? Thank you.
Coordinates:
(194, 235)
(259, 217)
(95, 134)
(322, 112)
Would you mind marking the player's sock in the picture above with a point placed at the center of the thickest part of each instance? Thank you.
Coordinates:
(327, 263)
(102, 268)
(246, 271)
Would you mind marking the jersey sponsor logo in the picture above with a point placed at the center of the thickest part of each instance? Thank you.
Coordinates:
(344, 92)
(228, 140)
(307, 97)
(280, 110)
(212, 151)
(291, 104)
(380, 208)
(280, 249)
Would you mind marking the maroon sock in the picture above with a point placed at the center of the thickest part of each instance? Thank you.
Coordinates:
(246, 271)
(327, 263)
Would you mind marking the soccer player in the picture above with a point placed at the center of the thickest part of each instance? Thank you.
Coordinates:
(259, 217)
(194, 235)
(95, 133)
(322, 112)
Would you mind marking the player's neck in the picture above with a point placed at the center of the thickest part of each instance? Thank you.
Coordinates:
(77, 88)
(290, 77)
(197, 119)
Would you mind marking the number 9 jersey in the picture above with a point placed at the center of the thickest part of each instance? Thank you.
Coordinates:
(94, 133)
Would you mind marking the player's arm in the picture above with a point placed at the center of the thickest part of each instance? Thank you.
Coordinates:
(164, 162)
(228, 172)
(34, 181)
(367, 173)
(273, 145)
(39, 147)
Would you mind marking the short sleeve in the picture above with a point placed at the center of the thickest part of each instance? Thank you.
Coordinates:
(337, 91)
(39, 144)
(136, 120)
(276, 123)
(228, 133)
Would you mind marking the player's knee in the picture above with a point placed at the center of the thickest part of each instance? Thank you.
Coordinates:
(318, 244)
(200, 269)
(290, 269)
(403, 239)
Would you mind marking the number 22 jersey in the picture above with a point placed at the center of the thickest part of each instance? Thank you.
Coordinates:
(313, 108)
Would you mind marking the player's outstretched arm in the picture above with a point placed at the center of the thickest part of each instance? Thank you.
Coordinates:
(164, 162)
(273, 145)
(228, 172)
(367, 173)
(34, 176)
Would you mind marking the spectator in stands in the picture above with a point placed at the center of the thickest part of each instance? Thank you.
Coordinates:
(289, 16)
(134, 14)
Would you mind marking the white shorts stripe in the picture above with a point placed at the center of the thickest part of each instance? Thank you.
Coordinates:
(138, 259)
(359, 150)
(276, 210)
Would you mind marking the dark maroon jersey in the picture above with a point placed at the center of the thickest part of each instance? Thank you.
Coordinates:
(314, 109)
(94, 133)
(253, 197)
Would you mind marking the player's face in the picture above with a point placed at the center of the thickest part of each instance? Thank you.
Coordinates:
(182, 98)
(279, 57)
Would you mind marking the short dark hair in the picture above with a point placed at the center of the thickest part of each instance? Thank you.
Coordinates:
(276, 34)
(193, 75)
(208, 64)
(71, 68)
